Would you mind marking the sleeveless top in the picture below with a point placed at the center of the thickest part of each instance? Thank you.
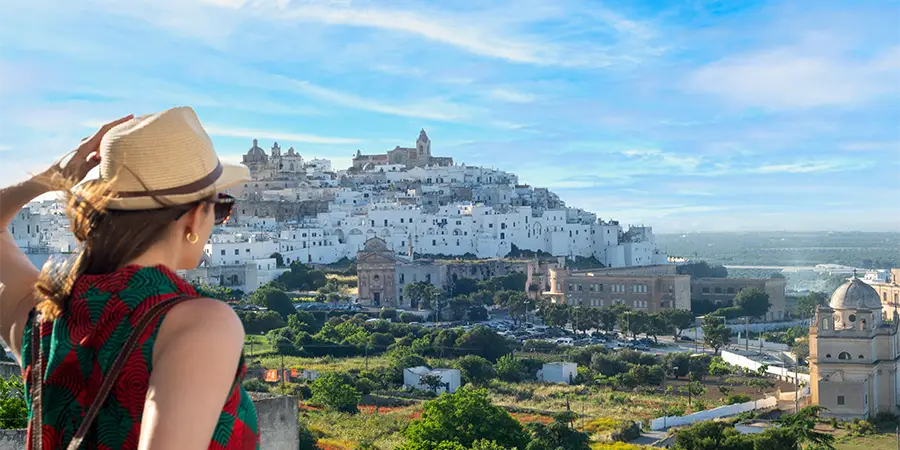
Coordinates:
(79, 347)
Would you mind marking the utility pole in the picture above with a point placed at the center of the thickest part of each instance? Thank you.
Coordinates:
(796, 384)
(747, 333)
(282, 373)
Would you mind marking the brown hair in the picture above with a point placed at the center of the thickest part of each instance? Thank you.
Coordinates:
(107, 240)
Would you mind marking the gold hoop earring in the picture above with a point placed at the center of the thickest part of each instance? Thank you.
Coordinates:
(192, 237)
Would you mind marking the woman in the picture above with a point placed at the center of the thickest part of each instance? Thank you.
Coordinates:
(149, 214)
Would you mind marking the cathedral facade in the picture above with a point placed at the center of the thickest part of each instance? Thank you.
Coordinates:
(275, 165)
(420, 156)
(854, 355)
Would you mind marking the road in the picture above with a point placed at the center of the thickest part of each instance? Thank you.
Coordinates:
(800, 268)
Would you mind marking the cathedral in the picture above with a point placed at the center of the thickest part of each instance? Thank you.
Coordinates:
(854, 355)
(275, 166)
(420, 156)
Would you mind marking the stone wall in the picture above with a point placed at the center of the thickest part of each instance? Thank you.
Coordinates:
(278, 426)
(278, 421)
(12, 439)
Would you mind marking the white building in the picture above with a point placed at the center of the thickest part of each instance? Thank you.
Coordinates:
(26, 228)
(459, 229)
(558, 372)
(450, 378)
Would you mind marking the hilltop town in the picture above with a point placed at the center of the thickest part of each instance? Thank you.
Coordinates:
(410, 283)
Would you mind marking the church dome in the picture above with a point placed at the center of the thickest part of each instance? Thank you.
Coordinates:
(855, 294)
(256, 150)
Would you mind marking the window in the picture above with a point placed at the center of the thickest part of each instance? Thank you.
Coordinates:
(860, 356)
(385, 222)
(844, 355)
(840, 400)
(401, 278)
(718, 290)
(706, 290)
(223, 252)
(246, 250)
(401, 220)
(428, 277)
(434, 242)
(730, 290)
(828, 356)
(852, 317)
(376, 277)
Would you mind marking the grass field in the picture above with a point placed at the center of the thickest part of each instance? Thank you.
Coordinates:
(876, 442)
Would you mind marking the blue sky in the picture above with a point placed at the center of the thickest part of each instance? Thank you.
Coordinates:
(688, 116)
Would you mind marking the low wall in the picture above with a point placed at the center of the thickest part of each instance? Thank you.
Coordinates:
(744, 343)
(715, 413)
(747, 363)
(278, 425)
(12, 439)
(278, 421)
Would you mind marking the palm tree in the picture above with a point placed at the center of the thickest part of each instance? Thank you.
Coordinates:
(803, 424)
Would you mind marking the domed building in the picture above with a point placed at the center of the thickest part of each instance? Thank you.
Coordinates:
(854, 354)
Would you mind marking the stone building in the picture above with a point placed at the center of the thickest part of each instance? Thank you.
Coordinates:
(649, 288)
(420, 156)
(889, 292)
(854, 355)
(376, 268)
(721, 292)
(275, 165)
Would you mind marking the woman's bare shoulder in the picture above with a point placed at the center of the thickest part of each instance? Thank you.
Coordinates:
(203, 324)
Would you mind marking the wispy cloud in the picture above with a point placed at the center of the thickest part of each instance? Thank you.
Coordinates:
(664, 158)
(511, 96)
(218, 130)
(811, 166)
(224, 131)
(428, 109)
(799, 77)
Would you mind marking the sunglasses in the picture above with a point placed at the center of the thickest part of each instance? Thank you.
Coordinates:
(223, 204)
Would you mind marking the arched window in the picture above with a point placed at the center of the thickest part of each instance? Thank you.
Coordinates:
(844, 355)
(860, 356)
(828, 356)
(376, 277)
(825, 324)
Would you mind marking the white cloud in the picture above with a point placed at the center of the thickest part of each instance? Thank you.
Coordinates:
(511, 96)
(223, 131)
(798, 77)
(493, 31)
(665, 158)
(428, 109)
(805, 167)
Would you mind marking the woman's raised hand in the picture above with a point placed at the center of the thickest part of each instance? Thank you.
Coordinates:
(84, 158)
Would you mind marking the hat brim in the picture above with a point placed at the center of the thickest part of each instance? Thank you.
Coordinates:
(231, 179)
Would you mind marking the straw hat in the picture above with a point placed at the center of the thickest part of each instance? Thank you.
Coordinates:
(163, 159)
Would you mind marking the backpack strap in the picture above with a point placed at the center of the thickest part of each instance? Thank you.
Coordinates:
(108, 383)
(37, 384)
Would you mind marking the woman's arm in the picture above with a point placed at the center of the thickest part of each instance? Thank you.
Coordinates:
(17, 273)
(195, 360)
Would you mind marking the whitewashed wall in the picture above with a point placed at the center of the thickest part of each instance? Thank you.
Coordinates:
(715, 413)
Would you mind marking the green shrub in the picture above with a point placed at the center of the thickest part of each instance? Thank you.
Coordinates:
(255, 385)
(737, 398)
(861, 428)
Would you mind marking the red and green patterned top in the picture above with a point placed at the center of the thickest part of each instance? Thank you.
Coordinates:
(79, 347)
